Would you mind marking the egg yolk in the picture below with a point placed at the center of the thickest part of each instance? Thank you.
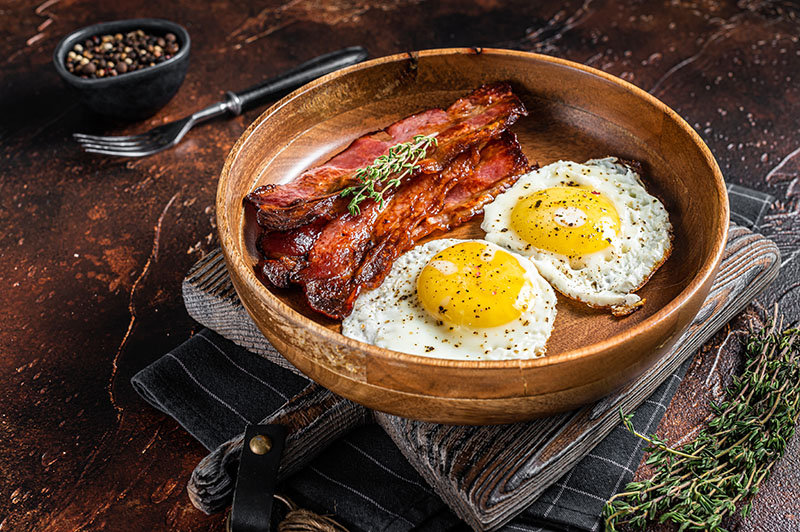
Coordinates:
(473, 285)
(571, 220)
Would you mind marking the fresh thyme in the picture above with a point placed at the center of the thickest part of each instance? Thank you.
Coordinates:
(710, 477)
(401, 160)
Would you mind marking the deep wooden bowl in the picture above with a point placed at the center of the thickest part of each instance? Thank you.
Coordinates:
(576, 113)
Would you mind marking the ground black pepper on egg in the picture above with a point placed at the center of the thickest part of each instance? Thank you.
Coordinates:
(115, 54)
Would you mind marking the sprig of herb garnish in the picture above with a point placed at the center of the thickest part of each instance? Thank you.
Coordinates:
(401, 160)
(710, 477)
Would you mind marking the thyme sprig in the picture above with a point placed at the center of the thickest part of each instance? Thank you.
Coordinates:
(401, 160)
(722, 468)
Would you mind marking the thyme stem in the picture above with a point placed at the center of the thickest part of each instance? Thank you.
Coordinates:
(655, 442)
(399, 162)
(705, 480)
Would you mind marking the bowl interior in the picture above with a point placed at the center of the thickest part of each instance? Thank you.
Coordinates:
(575, 113)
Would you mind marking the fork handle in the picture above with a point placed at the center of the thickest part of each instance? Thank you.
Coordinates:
(294, 78)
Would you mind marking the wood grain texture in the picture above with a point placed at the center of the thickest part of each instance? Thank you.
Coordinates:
(80, 450)
(211, 300)
(575, 114)
(485, 474)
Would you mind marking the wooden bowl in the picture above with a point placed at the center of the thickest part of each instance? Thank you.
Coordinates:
(576, 113)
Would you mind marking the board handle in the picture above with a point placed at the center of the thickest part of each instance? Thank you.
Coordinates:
(314, 418)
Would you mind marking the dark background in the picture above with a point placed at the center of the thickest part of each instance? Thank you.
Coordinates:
(93, 249)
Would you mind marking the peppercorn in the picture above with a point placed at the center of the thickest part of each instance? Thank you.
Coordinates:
(111, 55)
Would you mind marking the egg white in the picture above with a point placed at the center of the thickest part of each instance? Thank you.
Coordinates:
(392, 316)
(606, 278)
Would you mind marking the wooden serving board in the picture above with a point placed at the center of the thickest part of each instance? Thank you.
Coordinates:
(503, 467)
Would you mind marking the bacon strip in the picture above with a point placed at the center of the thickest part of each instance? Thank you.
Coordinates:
(285, 251)
(356, 252)
(315, 193)
(314, 241)
(468, 123)
(500, 166)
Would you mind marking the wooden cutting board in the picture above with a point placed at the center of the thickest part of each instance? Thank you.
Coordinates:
(485, 482)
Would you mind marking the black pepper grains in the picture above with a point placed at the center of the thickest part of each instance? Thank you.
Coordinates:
(112, 55)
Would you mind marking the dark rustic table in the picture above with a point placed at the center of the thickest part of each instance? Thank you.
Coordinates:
(93, 249)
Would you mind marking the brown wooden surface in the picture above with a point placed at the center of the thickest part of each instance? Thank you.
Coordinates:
(574, 113)
(80, 451)
(486, 474)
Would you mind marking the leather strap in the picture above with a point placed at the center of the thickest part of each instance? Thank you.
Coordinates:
(257, 477)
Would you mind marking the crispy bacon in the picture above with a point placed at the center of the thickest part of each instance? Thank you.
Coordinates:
(355, 252)
(501, 165)
(284, 251)
(334, 258)
(468, 123)
(311, 239)
(315, 193)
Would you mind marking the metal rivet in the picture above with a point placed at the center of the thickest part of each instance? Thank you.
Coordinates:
(260, 444)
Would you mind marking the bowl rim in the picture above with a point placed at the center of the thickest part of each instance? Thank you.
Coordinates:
(68, 41)
(236, 260)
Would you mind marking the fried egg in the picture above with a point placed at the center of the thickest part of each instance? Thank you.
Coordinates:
(591, 229)
(457, 299)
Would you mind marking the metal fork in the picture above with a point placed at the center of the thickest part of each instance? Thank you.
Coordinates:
(163, 137)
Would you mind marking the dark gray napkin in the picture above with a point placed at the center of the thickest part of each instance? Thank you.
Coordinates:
(213, 388)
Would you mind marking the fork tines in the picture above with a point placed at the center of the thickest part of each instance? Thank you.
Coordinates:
(127, 146)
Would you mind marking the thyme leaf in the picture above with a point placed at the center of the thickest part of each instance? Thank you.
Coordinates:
(400, 161)
(707, 479)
